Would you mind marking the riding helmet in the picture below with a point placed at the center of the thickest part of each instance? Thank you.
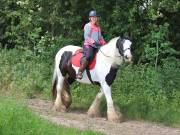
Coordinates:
(93, 13)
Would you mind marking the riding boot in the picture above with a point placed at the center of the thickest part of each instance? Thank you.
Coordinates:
(82, 68)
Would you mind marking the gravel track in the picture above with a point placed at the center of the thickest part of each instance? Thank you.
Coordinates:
(78, 118)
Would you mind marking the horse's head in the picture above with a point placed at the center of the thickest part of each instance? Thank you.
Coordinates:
(124, 48)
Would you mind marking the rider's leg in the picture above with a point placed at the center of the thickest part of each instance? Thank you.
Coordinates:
(84, 64)
(89, 54)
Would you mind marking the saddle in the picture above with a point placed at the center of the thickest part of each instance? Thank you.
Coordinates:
(78, 57)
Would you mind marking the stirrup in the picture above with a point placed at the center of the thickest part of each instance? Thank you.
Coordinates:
(79, 75)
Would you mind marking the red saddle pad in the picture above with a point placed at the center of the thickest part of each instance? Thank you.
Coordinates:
(75, 60)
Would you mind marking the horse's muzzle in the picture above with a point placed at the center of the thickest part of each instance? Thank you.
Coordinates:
(128, 58)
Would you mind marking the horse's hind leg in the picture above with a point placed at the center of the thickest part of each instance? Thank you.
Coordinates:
(59, 106)
(66, 94)
(94, 109)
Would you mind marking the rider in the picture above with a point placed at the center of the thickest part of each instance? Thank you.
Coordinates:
(92, 36)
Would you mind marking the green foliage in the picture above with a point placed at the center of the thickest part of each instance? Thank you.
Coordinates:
(152, 25)
(17, 119)
(157, 48)
(30, 71)
(83, 94)
(148, 93)
(23, 71)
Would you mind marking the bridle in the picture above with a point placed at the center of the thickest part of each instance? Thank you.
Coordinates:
(125, 51)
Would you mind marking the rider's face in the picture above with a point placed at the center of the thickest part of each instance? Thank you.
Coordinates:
(93, 19)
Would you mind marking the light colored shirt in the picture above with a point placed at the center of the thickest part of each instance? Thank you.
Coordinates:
(92, 34)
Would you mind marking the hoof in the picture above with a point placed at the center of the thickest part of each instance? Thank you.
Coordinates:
(115, 117)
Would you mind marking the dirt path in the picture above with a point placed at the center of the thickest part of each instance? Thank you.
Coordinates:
(78, 119)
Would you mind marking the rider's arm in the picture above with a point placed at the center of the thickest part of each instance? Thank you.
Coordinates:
(101, 39)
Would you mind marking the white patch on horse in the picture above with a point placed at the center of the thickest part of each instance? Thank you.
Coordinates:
(127, 51)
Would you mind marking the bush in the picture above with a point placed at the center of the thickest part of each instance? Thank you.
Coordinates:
(20, 71)
(28, 71)
(143, 92)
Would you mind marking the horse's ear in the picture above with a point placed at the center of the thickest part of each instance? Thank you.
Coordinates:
(127, 37)
(121, 35)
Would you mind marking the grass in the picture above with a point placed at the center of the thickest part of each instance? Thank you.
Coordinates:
(17, 119)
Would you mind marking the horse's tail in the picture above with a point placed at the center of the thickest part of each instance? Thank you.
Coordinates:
(54, 83)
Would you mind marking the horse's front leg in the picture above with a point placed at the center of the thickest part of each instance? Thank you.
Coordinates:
(94, 109)
(112, 115)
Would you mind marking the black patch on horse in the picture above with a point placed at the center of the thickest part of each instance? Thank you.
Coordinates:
(65, 66)
(70, 80)
(63, 63)
(111, 75)
(119, 45)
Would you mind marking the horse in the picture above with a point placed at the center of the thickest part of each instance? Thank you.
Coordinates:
(101, 71)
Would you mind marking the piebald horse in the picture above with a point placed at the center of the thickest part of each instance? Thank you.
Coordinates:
(103, 72)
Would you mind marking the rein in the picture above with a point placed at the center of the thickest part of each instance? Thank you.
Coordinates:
(115, 56)
(107, 55)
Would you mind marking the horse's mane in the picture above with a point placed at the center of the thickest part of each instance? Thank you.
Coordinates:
(110, 41)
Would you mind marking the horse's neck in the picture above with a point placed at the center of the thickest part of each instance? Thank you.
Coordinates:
(109, 53)
(110, 48)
